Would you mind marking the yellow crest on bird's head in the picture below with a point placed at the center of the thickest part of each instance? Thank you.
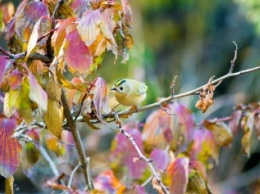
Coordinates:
(119, 82)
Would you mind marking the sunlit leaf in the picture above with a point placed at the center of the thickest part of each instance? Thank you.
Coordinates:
(42, 26)
(3, 62)
(54, 117)
(108, 26)
(68, 84)
(100, 97)
(76, 53)
(80, 7)
(26, 18)
(157, 130)
(127, 13)
(122, 161)
(60, 34)
(37, 94)
(89, 26)
(221, 132)
(107, 181)
(178, 171)
(160, 158)
(248, 129)
(19, 99)
(9, 147)
(8, 10)
(53, 89)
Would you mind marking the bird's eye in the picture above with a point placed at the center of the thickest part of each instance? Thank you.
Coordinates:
(121, 88)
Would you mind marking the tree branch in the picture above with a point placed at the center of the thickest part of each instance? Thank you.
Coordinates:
(56, 9)
(170, 98)
(78, 143)
(141, 155)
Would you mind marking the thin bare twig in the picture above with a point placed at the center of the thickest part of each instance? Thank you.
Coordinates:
(77, 140)
(189, 93)
(49, 160)
(72, 175)
(141, 155)
(234, 59)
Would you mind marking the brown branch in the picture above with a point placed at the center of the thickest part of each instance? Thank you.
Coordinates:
(189, 93)
(56, 9)
(78, 143)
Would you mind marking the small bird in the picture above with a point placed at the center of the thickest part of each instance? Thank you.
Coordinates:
(129, 92)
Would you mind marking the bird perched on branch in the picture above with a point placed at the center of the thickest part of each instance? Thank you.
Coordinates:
(129, 92)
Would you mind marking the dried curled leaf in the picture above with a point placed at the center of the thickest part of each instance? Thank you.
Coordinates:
(206, 96)
(157, 186)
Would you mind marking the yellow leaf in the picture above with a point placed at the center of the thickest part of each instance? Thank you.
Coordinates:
(54, 117)
(53, 89)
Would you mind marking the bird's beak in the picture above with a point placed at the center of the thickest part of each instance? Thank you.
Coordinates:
(114, 89)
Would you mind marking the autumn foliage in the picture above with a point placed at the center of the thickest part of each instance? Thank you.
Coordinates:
(53, 47)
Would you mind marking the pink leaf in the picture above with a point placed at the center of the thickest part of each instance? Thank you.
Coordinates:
(234, 122)
(37, 94)
(28, 15)
(179, 171)
(60, 34)
(123, 152)
(107, 181)
(160, 159)
(127, 13)
(40, 28)
(204, 146)
(89, 26)
(185, 118)
(9, 148)
(76, 53)
(100, 97)
(3, 63)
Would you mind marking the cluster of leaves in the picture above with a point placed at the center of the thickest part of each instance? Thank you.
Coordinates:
(54, 47)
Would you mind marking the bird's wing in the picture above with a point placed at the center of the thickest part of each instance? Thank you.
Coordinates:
(140, 90)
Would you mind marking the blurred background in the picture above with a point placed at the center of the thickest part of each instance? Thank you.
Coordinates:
(194, 41)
